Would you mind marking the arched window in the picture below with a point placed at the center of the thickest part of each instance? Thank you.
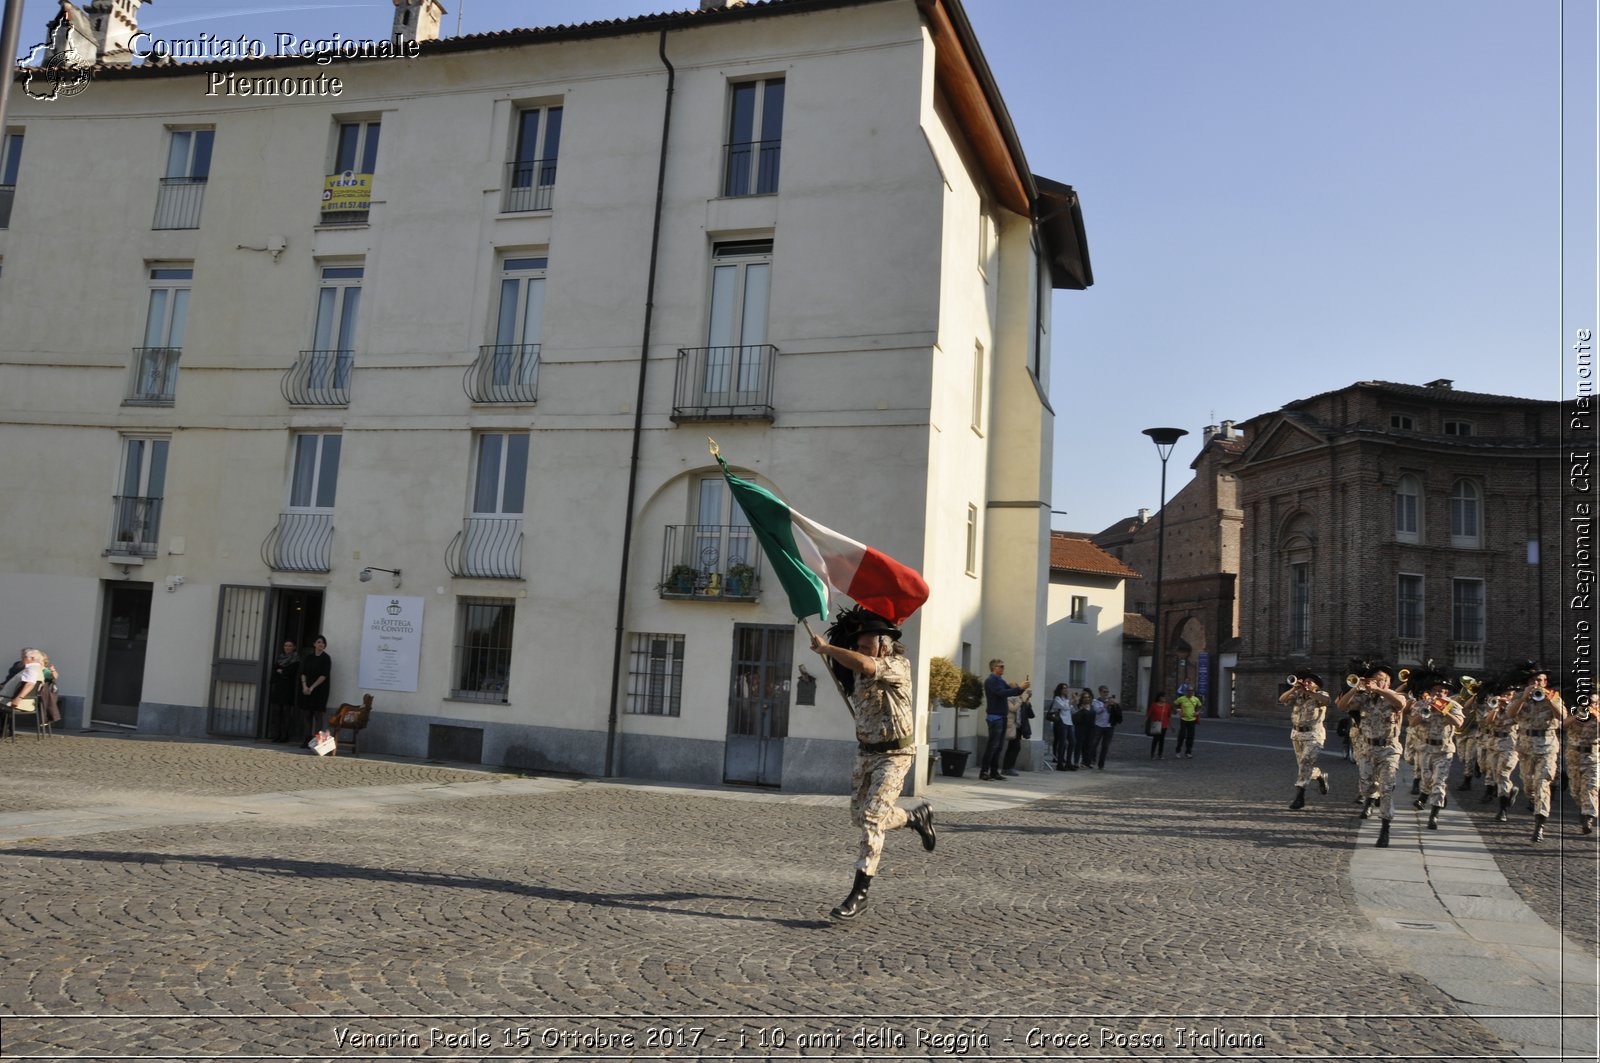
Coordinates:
(1408, 510)
(1466, 514)
(1298, 555)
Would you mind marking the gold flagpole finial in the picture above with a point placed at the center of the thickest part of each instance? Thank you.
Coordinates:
(716, 451)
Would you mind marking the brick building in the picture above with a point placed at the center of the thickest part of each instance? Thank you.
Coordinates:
(1407, 521)
(1199, 605)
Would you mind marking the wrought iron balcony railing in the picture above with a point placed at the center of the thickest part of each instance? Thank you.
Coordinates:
(750, 168)
(504, 372)
(301, 541)
(319, 378)
(529, 185)
(486, 548)
(154, 380)
(724, 383)
(711, 560)
(135, 525)
(178, 203)
(7, 194)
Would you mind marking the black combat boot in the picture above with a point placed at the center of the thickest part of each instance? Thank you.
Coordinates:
(1466, 782)
(1299, 798)
(856, 899)
(1421, 802)
(1366, 810)
(1433, 818)
(1538, 827)
(1383, 836)
(921, 820)
(1488, 795)
(1416, 785)
(1322, 782)
(1500, 816)
(1588, 824)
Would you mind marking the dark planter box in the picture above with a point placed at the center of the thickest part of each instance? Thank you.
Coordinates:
(953, 761)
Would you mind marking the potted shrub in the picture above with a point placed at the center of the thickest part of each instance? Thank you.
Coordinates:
(960, 690)
(681, 579)
(741, 580)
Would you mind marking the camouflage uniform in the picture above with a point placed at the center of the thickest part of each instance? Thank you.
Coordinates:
(1361, 753)
(1380, 727)
(1538, 740)
(1436, 745)
(1413, 747)
(884, 724)
(1500, 741)
(1307, 711)
(1583, 764)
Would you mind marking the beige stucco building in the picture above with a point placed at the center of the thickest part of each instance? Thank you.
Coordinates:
(428, 365)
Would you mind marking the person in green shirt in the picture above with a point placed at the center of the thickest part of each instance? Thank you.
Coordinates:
(1188, 706)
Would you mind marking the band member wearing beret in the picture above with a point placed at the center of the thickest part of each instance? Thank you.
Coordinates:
(1382, 712)
(1308, 709)
(1540, 715)
(863, 651)
(1435, 717)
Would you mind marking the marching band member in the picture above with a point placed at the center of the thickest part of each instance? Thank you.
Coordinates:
(1308, 708)
(1381, 712)
(1500, 736)
(1583, 761)
(1435, 717)
(1469, 740)
(1540, 715)
(1413, 746)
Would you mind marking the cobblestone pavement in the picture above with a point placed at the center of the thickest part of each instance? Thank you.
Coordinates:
(1149, 911)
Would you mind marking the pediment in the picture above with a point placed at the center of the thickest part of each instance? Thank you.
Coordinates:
(1282, 437)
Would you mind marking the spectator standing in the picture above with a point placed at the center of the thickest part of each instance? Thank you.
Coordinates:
(1156, 721)
(1188, 705)
(1064, 746)
(315, 673)
(1083, 723)
(281, 691)
(995, 692)
(1105, 710)
(1018, 727)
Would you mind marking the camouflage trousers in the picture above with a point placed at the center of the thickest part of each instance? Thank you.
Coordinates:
(1502, 762)
(1383, 764)
(875, 787)
(1307, 748)
(1433, 767)
(1361, 751)
(1583, 778)
(1538, 772)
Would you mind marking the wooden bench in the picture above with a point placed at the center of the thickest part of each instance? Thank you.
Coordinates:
(352, 718)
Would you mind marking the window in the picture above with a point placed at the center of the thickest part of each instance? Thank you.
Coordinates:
(1408, 602)
(722, 535)
(483, 649)
(333, 339)
(1407, 510)
(155, 368)
(1466, 610)
(347, 193)
(1401, 421)
(501, 476)
(143, 484)
(315, 478)
(988, 243)
(1300, 607)
(1464, 514)
(1077, 673)
(511, 366)
(183, 184)
(1080, 609)
(532, 171)
(977, 388)
(10, 160)
(655, 675)
(737, 359)
(972, 540)
(755, 135)
(1457, 428)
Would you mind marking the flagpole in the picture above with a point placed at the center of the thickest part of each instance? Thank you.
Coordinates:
(829, 669)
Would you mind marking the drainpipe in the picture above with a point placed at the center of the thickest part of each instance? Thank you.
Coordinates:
(638, 416)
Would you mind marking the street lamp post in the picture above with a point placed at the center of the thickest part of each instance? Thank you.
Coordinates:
(1165, 439)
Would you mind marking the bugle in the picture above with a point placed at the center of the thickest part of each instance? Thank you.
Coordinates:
(1292, 680)
(1405, 674)
(1352, 680)
(1469, 685)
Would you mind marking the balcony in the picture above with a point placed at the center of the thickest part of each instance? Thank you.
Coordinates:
(529, 186)
(178, 203)
(1408, 651)
(7, 194)
(299, 542)
(504, 372)
(750, 168)
(155, 376)
(486, 548)
(711, 561)
(319, 378)
(135, 526)
(1466, 655)
(724, 383)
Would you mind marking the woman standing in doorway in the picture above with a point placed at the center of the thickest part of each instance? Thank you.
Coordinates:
(315, 673)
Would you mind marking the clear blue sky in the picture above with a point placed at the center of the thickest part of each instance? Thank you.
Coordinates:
(1281, 197)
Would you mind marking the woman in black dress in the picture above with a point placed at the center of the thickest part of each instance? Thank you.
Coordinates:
(315, 672)
(282, 691)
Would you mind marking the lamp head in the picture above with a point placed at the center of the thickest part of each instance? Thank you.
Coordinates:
(1165, 439)
(366, 575)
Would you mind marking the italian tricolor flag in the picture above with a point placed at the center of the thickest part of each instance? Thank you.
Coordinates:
(810, 560)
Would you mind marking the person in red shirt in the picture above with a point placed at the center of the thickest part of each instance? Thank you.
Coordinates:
(1156, 720)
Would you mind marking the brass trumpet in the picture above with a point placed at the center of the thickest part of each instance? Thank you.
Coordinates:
(1292, 680)
(1581, 712)
(1405, 674)
(1352, 680)
(1469, 685)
